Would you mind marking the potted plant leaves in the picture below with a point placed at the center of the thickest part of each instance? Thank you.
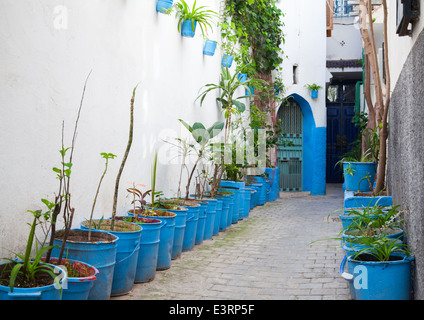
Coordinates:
(189, 18)
(164, 6)
(27, 277)
(314, 89)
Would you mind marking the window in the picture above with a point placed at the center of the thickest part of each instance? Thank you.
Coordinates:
(342, 8)
(295, 74)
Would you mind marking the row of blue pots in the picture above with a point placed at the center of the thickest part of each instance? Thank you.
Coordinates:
(373, 280)
(133, 256)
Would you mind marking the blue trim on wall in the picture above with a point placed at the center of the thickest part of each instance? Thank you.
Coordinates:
(314, 150)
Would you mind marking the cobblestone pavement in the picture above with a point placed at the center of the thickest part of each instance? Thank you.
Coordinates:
(267, 256)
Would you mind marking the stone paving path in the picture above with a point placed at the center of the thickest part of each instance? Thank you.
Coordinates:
(266, 256)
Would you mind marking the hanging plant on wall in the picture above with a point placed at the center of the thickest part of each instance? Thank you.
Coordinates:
(189, 18)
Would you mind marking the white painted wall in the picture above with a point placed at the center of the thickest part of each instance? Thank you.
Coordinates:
(399, 47)
(305, 46)
(43, 70)
(345, 41)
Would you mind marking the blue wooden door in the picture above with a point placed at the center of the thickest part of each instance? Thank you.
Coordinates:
(341, 131)
(290, 150)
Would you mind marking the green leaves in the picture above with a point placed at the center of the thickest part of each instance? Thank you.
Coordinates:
(199, 132)
(203, 16)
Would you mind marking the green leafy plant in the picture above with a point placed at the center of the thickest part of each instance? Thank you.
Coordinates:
(227, 86)
(138, 196)
(380, 248)
(203, 16)
(28, 268)
(202, 136)
(313, 86)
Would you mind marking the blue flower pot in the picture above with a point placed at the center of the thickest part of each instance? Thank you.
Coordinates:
(227, 60)
(360, 170)
(188, 28)
(226, 202)
(242, 77)
(163, 5)
(274, 181)
(261, 180)
(126, 256)
(375, 280)
(78, 288)
(149, 248)
(100, 253)
(250, 92)
(239, 196)
(247, 195)
(209, 47)
(50, 292)
(314, 94)
(179, 229)
(166, 236)
(200, 230)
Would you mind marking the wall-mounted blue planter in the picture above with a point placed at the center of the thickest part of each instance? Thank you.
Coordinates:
(209, 47)
(101, 254)
(250, 92)
(188, 28)
(163, 5)
(314, 94)
(276, 90)
(242, 77)
(227, 60)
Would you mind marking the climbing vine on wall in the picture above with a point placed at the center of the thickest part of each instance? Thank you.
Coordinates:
(256, 27)
(260, 28)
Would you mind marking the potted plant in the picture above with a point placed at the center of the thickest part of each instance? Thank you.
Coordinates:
(358, 173)
(189, 18)
(380, 223)
(29, 278)
(379, 271)
(228, 86)
(74, 243)
(164, 6)
(314, 89)
(209, 47)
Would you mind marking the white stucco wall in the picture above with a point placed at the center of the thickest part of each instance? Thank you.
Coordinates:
(43, 69)
(305, 46)
(400, 47)
(345, 41)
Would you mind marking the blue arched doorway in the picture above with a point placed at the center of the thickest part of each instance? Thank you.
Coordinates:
(313, 145)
